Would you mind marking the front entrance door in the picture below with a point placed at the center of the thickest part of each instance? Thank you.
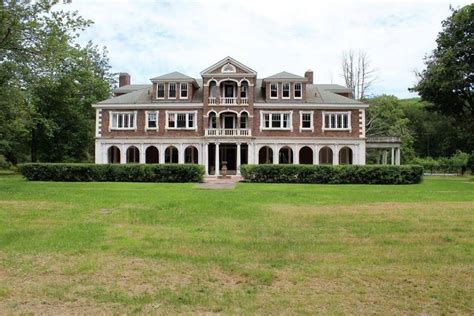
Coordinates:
(228, 153)
(228, 122)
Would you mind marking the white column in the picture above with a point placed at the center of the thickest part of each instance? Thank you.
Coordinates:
(397, 156)
(251, 154)
(392, 157)
(217, 160)
(362, 153)
(98, 153)
(238, 159)
(123, 154)
(335, 155)
(205, 155)
(142, 154)
(276, 152)
(181, 154)
(296, 155)
(315, 155)
(162, 153)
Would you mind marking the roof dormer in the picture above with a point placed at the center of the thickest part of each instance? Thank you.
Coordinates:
(174, 86)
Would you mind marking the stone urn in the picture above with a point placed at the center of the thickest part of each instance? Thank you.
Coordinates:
(224, 169)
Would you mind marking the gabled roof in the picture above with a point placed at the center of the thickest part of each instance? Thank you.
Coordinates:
(284, 75)
(230, 60)
(175, 75)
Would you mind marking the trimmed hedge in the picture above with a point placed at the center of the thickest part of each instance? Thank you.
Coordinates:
(75, 172)
(342, 174)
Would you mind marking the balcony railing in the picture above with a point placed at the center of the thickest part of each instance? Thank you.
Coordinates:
(228, 132)
(244, 101)
(212, 100)
(228, 101)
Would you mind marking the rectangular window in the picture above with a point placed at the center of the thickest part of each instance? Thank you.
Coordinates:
(124, 120)
(184, 91)
(306, 120)
(276, 121)
(298, 92)
(286, 91)
(181, 120)
(243, 91)
(243, 122)
(152, 120)
(160, 91)
(172, 90)
(336, 121)
(213, 122)
(273, 91)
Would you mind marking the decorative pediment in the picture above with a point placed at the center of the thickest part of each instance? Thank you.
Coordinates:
(228, 66)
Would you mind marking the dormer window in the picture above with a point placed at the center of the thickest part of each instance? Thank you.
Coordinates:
(160, 91)
(273, 91)
(286, 91)
(184, 91)
(172, 90)
(228, 68)
(298, 92)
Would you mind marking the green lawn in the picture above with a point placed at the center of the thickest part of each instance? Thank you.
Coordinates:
(259, 248)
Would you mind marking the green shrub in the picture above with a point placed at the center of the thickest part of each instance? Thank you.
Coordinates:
(4, 163)
(406, 174)
(73, 172)
(457, 163)
(470, 163)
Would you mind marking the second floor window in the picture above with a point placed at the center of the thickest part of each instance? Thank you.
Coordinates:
(243, 91)
(336, 121)
(184, 91)
(181, 120)
(160, 91)
(306, 120)
(274, 90)
(243, 122)
(298, 93)
(276, 121)
(286, 91)
(172, 90)
(124, 120)
(152, 120)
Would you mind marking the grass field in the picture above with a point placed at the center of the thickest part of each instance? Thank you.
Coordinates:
(260, 248)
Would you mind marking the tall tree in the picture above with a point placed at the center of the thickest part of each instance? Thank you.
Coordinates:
(357, 72)
(448, 80)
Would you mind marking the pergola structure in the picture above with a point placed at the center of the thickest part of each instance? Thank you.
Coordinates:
(385, 144)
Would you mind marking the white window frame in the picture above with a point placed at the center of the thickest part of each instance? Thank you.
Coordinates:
(348, 128)
(301, 90)
(311, 114)
(283, 90)
(157, 120)
(175, 90)
(273, 83)
(181, 90)
(111, 118)
(194, 128)
(290, 121)
(157, 85)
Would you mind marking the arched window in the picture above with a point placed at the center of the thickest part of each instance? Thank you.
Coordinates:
(265, 155)
(285, 155)
(244, 90)
(191, 155)
(133, 155)
(228, 68)
(171, 155)
(212, 89)
(152, 155)
(113, 154)
(212, 120)
(345, 156)
(306, 156)
(325, 156)
(244, 120)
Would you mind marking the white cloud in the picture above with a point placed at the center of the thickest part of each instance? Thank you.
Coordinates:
(149, 38)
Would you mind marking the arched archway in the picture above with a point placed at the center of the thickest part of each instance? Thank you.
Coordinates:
(171, 155)
(265, 155)
(113, 154)
(325, 156)
(345, 156)
(306, 156)
(285, 155)
(191, 155)
(152, 155)
(133, 155)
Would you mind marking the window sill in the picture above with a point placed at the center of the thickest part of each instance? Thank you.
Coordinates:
(181, 128)
(337, 129)
(309, 129)
(123, 129)
(276, 129)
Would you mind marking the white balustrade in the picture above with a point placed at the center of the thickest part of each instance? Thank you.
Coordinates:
(228, 132)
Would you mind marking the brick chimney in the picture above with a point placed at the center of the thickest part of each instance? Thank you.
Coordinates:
(309, 76)
(124, 79)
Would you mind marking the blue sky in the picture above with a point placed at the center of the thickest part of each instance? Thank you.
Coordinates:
(149, 38)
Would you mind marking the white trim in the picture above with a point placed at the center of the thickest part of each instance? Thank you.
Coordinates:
(175, 90)
(290, 121)
(112, 113)
(225, 61)
(157, 84)
(180, 90)
(148, 128)
(283, 90)
(270, 88)
(311, 106)
(232, 70)
(301, 90)
(348, 128)
(311, 128)
(195, 122)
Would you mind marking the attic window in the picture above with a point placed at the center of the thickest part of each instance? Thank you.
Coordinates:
(228, 68)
